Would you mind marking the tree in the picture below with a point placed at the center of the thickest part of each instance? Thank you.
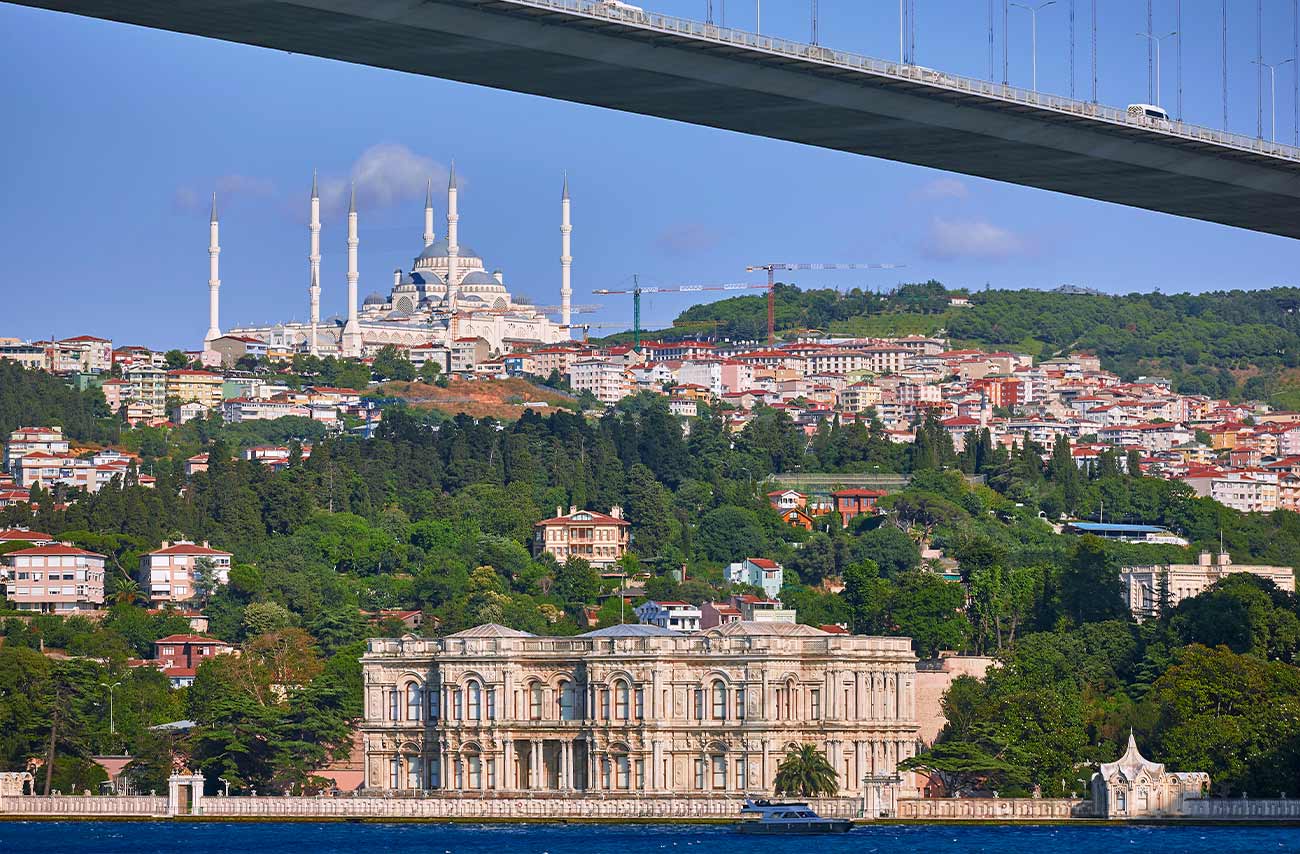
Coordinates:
(867, 597)
(1088, 588)
(576, 582)
(429, 371)
(264, 617)
(731, 533)
(960, 767)
(391, 364)
(807, 773)
(927, 609)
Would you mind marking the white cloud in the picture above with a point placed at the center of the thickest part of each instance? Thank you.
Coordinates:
(943, 188)
(187, 200)
(687, 238)
(385, 174)
(975, 238)
(243, 185)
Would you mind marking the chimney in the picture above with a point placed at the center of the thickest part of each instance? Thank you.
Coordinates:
(573, 508)
(559, 510)
(616, 511)
(1204, 559)
(499, 276)
(397, 277)
(1225, 559)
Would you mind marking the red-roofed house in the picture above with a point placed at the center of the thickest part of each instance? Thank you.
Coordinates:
(757, 572)
(856, 502)
(179, 656)
(170, 571)
(599, 538)
(54, 579)
(22, 535)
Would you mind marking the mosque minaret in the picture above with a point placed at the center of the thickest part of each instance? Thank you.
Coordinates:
(214, 278)
(352, 341)
(446, 293)
(313, 288)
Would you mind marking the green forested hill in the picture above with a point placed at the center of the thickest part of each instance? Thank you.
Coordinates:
(1224, 342)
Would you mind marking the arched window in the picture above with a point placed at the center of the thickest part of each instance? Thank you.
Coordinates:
(718, 767)
(473, 768)
(414, 701)
(719, 700)
(621, 700)
(475, 696)
(535, 701)
(566, 701)
(622, 767)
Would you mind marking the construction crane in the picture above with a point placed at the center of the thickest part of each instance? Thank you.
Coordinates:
(771, 283)
(587, 308)
(636, 290)
(586, 327)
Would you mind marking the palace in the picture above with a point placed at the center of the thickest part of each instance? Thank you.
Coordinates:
(445, 295)
(634, 709)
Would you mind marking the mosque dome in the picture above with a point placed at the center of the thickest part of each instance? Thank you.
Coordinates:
(375, 299)
(424, 277)
(440, 249)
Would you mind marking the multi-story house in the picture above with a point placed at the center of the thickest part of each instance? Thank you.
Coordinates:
(768, 575)
(599, 538)
(171, 571)
(851, 503)
(635, 711)
(204, 387)
(608, 380)
(54, 578)
(148, 387)
(179, 656)
(26, 440)
(669, 614)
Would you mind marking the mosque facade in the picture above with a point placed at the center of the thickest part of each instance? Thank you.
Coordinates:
(447, 293)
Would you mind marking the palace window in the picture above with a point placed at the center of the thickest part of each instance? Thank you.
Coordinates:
(458, 704)
(414, 773)
(604, 704)
(475, 765)
(719, 772)
(815, 697)
(740, 703)
(621, 700)
(699, 774)
(394, 706)
(719, 701)
(414, 702)
(535, 701)
(567, 701)
(640, 704)
(433, 698)
(777, 696)
(394, 773)
(491, 704)
(699, 704)
(475, 692)
(622, 771)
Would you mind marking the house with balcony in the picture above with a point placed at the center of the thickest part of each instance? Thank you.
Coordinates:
(672, 615)
(171, 572)
(599, 538)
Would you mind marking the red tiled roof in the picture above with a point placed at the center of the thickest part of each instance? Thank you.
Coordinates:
(600, 518)
(14, 534)
(188, 549)
(763, 563)
(191, 639)
(56, 549)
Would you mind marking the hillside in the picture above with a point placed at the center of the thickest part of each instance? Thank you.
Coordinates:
(1235, 343)
(501, 399)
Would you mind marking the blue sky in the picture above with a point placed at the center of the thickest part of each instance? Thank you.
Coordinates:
(116, 136)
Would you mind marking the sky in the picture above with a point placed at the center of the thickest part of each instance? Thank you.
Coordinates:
(116, 136)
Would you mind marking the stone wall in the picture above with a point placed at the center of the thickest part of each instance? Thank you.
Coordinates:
(993, 809)
(87, 805)
(1241, 808)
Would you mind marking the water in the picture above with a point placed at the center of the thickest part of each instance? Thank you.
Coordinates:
(212, 838)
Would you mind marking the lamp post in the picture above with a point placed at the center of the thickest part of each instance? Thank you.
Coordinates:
(1033, 20)
(1156, 41)
(112, 727)
(1272, 87)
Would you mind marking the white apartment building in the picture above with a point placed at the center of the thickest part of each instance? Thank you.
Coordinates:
(171, 570)
(26, 440)
(1253, 491)
(54, 579)
(672, 615)
(609, 382)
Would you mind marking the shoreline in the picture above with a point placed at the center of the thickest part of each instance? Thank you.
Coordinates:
(858, 824)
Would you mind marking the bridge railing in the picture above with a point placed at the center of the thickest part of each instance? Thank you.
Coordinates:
(634, 16)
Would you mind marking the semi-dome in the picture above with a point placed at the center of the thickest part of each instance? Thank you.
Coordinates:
(478, 277)
(375, 299)
(424, 277)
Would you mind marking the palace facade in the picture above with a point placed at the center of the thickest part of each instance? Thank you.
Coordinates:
(634, 709)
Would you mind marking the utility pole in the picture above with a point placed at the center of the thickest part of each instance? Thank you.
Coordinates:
(1272, 91)
(1033, 20)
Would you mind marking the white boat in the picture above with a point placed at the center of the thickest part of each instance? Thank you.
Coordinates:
(769, 817)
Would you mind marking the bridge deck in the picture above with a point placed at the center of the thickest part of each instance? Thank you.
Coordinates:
(581, 51)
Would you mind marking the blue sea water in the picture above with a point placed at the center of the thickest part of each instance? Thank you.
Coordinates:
(205, 838)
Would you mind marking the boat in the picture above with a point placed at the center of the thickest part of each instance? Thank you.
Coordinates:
(769, 817)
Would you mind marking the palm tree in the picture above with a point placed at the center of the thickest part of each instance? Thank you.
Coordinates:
(126, 591)
(806, 772)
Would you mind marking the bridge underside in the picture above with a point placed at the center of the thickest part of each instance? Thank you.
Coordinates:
(572, 57)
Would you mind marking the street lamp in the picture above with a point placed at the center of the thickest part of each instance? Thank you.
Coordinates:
(1156, 41)
(112, 728)
(1033, 15)
(1272, 86)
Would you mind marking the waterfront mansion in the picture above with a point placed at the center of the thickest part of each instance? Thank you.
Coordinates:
(636, 710)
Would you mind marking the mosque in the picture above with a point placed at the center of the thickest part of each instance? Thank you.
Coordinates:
(447, 294)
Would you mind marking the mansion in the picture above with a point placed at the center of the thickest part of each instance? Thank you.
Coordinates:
(634, 709)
